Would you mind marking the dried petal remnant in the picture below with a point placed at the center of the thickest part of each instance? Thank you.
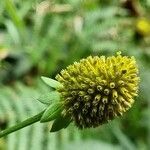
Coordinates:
(97, 89)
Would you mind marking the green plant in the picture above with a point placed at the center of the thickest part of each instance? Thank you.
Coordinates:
(43, 43)
(62, 102)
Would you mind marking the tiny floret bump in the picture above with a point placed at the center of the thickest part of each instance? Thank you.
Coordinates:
(97, 89)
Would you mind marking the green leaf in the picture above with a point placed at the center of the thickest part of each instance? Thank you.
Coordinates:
(51, 82)
(49, 98)
(52, 112)
(60, 123)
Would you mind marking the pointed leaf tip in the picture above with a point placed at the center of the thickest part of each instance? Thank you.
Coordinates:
(49, 98)
(51, 82)
(60, 123)
(52, 112)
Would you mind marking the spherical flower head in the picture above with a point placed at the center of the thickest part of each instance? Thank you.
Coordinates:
(97, 89)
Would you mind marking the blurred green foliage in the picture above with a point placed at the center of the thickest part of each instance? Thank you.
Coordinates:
(41, 38)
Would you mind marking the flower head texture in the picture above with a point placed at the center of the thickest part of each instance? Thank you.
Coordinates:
(98, 89)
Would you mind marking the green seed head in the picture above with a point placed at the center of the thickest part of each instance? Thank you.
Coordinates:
(97, 89)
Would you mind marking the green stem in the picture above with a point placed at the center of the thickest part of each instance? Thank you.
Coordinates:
(21, 125)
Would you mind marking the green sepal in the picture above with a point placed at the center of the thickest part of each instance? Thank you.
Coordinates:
(52, 112)
(60, 123)
(49, 98)
(52, 83)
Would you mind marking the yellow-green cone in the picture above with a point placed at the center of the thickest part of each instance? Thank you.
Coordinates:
(97, 89)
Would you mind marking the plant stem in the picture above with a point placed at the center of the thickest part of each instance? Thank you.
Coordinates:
(22, 124)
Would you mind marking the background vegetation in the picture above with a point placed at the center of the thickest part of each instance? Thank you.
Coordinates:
(42, 37)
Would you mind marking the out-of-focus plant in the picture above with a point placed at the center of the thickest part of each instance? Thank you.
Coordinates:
(143, 27)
